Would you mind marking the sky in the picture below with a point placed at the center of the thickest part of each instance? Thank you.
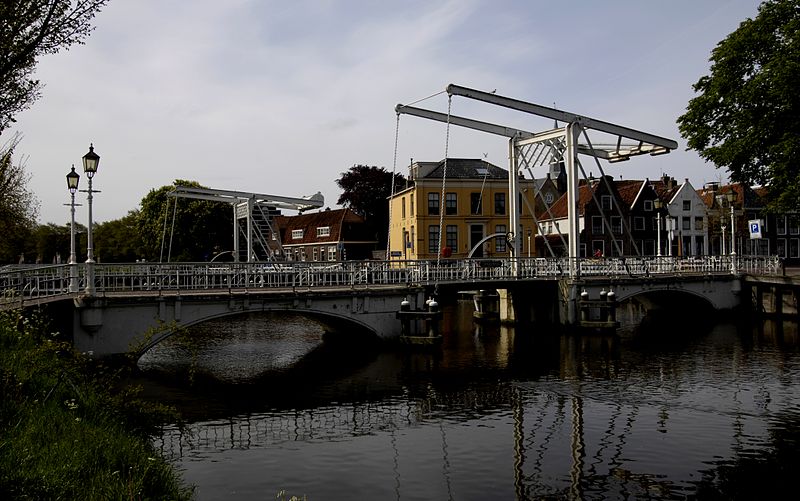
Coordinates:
(280, 98)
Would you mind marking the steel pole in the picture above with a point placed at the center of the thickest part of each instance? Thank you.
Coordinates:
(90, 290)
(658, 234)
(73, 272)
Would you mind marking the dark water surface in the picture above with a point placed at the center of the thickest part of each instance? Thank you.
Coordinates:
(667, 413)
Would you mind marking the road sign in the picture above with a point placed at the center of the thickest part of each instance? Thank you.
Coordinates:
(755, 227)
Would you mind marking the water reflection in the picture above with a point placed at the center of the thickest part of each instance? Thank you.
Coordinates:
(496, 413)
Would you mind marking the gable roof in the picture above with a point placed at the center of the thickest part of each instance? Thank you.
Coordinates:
(467, 168)
(334, 219)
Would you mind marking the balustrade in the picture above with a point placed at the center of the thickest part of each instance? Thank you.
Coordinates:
(21, 283)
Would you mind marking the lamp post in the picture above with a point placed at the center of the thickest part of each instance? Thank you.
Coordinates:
(731, 196)
(657, 204)
(529, 242)
(723, 228)
(90, 163)
(72, 185)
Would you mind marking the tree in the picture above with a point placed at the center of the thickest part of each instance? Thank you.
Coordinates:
(30, 29)
(18, 205)
(198, 230)
(366, 191)
(119, 240)
(746, 117)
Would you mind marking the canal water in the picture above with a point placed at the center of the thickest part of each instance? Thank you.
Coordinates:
(660, 412)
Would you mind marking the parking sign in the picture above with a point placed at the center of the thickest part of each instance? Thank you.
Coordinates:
(755, 227)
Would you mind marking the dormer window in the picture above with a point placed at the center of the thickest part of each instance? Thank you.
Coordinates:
(325, 231)
(297, 234)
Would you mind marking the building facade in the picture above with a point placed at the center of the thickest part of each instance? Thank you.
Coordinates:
(469, 204)
(328, 235)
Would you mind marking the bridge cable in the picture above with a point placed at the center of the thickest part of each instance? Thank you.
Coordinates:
(442, 203)
(164, 232)
(391, 197)
(619, 210)
(172, 230)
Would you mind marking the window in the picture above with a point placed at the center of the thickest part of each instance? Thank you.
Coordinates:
(698, 223)
(411, 246)
(475, 204)
(403, 207)
(331, 253)
(617, 249)
(794, 247)
(451, 235)
(433, 204)
(549, 227)
(686, 223)
(781, 222)
(411, 199)
(687, 205)
(597, 225)
(451, 204)
(323, 231)
(500, 204)
(548, 198)
(274, 235)
(322, 254)
(648, 205)
(794, 229)
(605, 202)
(638, 223)
(500, 242)
(315, 254)
(297, 234)
(616, 224)
(782, 247)
(433, 239)
(598, 245)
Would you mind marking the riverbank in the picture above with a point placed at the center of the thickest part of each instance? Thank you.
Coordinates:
(67, 429)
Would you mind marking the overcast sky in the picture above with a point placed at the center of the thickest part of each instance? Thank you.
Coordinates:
(281, 97)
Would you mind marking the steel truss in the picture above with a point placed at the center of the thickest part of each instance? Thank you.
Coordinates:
(257, 211)
(560, 144)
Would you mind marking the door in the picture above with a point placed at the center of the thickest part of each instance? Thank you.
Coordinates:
(475, 236)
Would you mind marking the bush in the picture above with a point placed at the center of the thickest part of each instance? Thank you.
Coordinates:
(66, 429)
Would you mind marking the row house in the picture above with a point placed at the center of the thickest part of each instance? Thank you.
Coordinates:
(329, 235)
(686, 219)
(615, 218)
(475, 205)
(630, 218)
(733, 206)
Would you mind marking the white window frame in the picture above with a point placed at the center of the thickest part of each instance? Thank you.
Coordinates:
(297, 234)
(323, 231)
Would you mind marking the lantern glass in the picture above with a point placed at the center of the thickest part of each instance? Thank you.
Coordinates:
(72, 180)
(90, 162)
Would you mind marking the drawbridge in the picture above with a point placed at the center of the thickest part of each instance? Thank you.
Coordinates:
(253, 218)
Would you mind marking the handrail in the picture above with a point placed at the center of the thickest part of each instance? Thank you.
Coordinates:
(37, 282)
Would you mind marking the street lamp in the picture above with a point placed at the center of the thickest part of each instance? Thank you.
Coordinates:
(658, 204)
(731, 196)
(529, 242)
(72, 185)
(90, 163)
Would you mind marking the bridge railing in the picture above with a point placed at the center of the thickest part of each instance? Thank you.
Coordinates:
(18, 283)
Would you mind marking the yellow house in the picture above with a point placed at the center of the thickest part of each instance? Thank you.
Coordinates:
(475, 205)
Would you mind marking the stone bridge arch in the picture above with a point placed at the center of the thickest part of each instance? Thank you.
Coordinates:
(114, 325)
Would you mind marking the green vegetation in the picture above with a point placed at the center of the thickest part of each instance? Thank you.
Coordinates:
(746, 116)
(69, 429)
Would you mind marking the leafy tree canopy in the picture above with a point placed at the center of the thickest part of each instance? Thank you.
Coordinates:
(30, 29)
(366, 190)
(195, 229)
(746, 117)
(18, 205)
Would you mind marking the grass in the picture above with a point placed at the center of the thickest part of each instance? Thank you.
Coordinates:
(68, 429)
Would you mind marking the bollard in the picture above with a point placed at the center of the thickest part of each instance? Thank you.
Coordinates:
(405, 306)
(584, 309)
(611, 312)
(433, 321)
